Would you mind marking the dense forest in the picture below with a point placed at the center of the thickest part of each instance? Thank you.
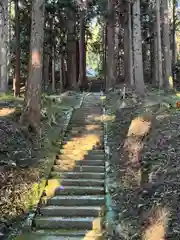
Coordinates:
(44, 46)
(48, 45)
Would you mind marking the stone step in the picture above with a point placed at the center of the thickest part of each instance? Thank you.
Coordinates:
(88, 109)
(86, 120)
(89, 223)
(82, 182)
(85, 148)
(69, 233)
(95, 156)
(81, 162)
(71, 211)
(84, 132)
(51, 235)
(91, 152)
(80, 127)
(86, 200)
(94, 169)
(74, 145)
(72, 154)
(77, 139)
(77, 190)
(77, 175)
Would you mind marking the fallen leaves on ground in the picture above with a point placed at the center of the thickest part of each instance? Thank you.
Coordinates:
(142, 191)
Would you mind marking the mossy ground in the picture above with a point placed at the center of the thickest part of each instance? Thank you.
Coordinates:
(24, 160)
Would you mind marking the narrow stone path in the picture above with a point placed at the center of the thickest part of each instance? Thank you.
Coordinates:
(75, 194)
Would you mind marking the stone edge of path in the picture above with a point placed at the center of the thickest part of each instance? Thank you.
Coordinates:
(27, 223)
(110, 214)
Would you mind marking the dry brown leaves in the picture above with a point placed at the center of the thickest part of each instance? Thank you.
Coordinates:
(15, 186)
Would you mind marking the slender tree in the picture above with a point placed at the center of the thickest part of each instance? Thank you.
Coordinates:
(110, 46)
(31, 114)
(159, 47)
(17, 63)
(166, 44)
(137, 47)
(4, 18)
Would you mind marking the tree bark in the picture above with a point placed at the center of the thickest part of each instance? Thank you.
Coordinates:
(53, 70)
(71, 53)
(131, 79)
(46, 70)
(110, 46)
(4, 15)
(82, 53)
(31, 115)
(137, 47)
(61, 74)
(105, 53)
(77, 61)
(166, 45)
(159, 48)
(18, 51)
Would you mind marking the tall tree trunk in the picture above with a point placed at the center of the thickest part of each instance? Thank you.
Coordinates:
(82, 53)
(61, 74)
(156, 59)
(159, 48)
(137, 46)
(4, 31)
(53, 70)
(77, 61)
(116, 52)
(18, 49)
(110, 45)
(131, 79)
(174, 37)
(126, 52)
(166, 44)
(105, 53)
(71, 52)
(31, 115)
(46, 70)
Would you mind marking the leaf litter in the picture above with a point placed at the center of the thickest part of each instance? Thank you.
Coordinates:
(144, 171)
(20, 170)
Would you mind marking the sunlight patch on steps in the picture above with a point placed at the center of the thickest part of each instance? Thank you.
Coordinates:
(84, 144)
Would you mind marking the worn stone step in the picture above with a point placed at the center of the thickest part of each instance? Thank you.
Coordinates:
(79, 190)
(95, 156)
(83, 133)
(89, 223)
(74, 145)
(82, 182)
(85, 148)
(94, 169)
(80, 127)
(77, 175)
(91, 152)
(77, 139)
(49, 235)
(86, 129)
(71, 211)
(86, 200)
(84, 162)
(86, 121)
(70, 233)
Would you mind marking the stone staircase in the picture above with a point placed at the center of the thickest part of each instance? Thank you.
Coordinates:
(75, 194)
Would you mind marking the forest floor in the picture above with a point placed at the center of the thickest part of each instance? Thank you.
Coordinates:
(25, 162)
(144, 140)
